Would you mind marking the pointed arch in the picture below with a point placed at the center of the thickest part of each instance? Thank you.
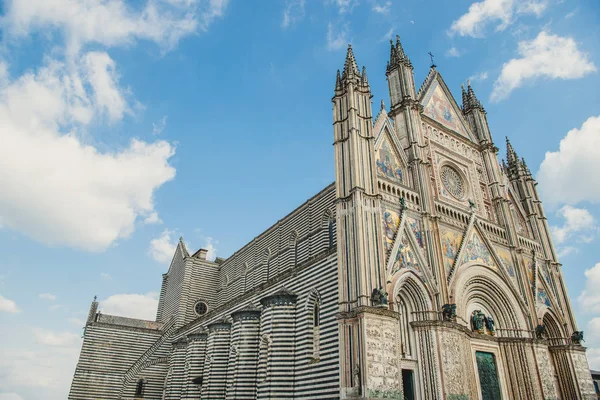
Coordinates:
(476, 286)
(328, 225)
(293, 246)
(312, 311)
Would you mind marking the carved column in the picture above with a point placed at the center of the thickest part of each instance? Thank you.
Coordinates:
(243, 356)
(277, 345)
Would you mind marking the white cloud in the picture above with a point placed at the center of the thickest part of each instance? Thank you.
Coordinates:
(383, 9)
(140, 306)
(345, 6)
(8, 306)
(47, 296)
(153, 218)
(485, 12)
(112, 22)
(58, 339)
(590, 296)
(482, 76)
(593, 356)
(91, 198)
(163, 247)
(209, 244)
(548, 56)
(453, 52)
(577, 221)
(10, 396)
(337, 38)
(105, 276)
(158, 128)
(76, 321)
(389, 35)
(48, 356)
(292, 13)
(560, 174)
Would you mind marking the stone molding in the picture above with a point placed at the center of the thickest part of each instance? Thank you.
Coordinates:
(219, 326)
(245, 314)
(385, 312)
(282, 297)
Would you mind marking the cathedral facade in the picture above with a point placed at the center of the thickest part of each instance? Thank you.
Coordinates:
(425, 271)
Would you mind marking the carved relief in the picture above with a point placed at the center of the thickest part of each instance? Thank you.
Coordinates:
(383, 373)
(546, 373)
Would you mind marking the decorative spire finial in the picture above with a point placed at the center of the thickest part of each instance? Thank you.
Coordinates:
(95, 297)
(432, 63)
(350, 66)
(338, 81)
(511, 155)
(382, 104)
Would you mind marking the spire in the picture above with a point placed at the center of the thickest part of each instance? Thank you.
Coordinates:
(364, 79)
(469, 99)
(382, 104)
(338, 81)
(525, 167)
(511, 156)
(397, 55)
(350, 67)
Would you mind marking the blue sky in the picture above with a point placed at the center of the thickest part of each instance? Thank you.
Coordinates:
(128, 124)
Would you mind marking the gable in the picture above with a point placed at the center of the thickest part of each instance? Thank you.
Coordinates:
(507, 263)
(476, 250)
(441, 107)
(406, 257)
(391, 222)
(387, 161)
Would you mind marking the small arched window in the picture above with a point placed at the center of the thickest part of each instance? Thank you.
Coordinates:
(139, 388)
(316, 332)
(330, 232)
(316, 315)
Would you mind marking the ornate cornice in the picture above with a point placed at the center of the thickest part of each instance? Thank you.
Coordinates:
(219, 326)
(197, 336)
(283, 297)
(245, 314)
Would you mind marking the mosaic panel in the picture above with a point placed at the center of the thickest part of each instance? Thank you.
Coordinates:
(406, 258)
(530, 270)
(391, 221)
(506, 261)
(476, 250)
(542, 297)
(439, 108)
(520, 224)
(387, 163)
(450, 243)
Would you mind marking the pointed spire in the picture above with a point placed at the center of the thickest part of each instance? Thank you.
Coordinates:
(382, 104)
(338, 81)
(399, 48)
(470, 101)
(525, 167)
(397, 55)
(464, 97)
(511, 155)
(350, 66)
(364, 79)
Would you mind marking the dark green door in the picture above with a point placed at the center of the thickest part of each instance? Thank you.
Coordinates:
(488, 376)
(408, 384)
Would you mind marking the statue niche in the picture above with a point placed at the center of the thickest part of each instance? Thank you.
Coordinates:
(483, 324)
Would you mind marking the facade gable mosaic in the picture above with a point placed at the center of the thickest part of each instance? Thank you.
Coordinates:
(507, 263)
(391, 222)
(475, 250)
(388, 163)
(439, 105)
(450, 241)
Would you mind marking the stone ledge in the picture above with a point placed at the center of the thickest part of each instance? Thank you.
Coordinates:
(367, 310)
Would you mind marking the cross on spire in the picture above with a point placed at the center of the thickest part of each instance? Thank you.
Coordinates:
(431, 57)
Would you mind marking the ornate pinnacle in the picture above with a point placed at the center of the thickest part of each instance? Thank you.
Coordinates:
(382, 104)
(470, 101)
(464, 98)
(364, 79)
(399, 48)
(350, 66)
(338, 81)
(397, 55)
(511, 155)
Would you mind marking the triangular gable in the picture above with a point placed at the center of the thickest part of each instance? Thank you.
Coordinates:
(507, 263)
(451, 240)
(387, 163)
(439, 105)
(475, 250)
(180, 253)
(415, 226)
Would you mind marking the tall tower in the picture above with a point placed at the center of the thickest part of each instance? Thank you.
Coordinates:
(362, 320)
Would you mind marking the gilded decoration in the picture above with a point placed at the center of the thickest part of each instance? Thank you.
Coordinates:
(387, 163)
(439, 108)
(406, 258)
(450, 243)
(506, 261)
(530, 269)
(391, 221)
(476, 250)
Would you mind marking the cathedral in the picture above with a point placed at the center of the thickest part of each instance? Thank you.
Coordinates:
(425, 271)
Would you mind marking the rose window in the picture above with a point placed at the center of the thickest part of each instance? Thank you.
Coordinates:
(453, 182)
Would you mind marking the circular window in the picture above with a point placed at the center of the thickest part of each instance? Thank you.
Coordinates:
(201, 308)
(453, 182)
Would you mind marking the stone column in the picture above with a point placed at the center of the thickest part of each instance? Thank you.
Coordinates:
(277, 345)
(175, 383)
(217, 357)
(243, 356)
(194, 360)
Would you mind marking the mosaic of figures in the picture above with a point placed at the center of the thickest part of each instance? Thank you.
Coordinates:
(530, 269)
(506, 261)
(406, 258)
(519, 223)
(542, 297)
(439, 108)
(476, 250)
(388, 165)
(450, 240)
(391, 221)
